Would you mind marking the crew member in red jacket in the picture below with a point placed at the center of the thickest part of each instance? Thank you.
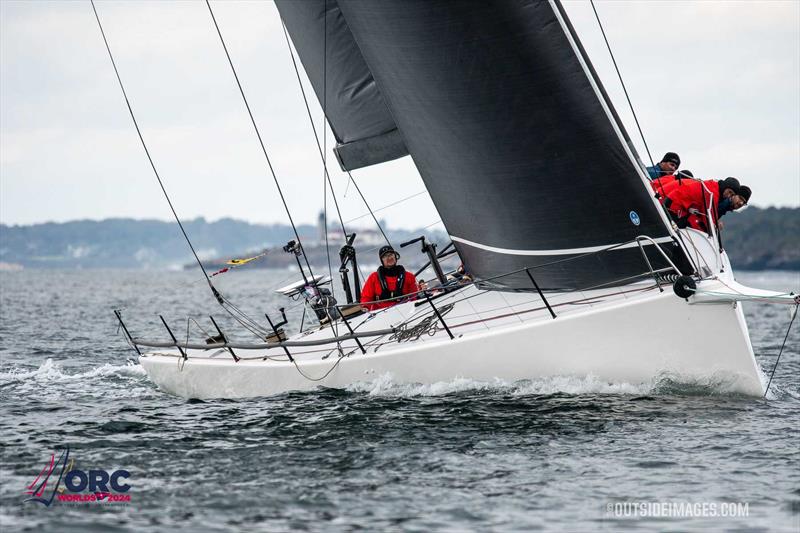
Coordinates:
(692, 201)
(390, 281)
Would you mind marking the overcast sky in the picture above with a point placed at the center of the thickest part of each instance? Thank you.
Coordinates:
(716, 81)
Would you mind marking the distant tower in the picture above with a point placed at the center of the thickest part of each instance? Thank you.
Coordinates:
(321, 230)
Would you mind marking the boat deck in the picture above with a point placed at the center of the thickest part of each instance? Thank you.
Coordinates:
(465, 312)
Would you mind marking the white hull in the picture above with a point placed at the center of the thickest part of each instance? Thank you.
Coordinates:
(614, 337)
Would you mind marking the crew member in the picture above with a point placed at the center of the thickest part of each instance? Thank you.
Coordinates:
(691, 202)
(390, 281)
(668, 165)
(732, 201)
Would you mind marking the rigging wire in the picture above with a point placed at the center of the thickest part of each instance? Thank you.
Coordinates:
(636, 119)
(258, 134)
(319, 147)
(244, 320)
(226, 304)
(149, 158)
(353, 181)
(325, 375)
(387, 206)
(311, 120)
(783, 345)
(619, 75)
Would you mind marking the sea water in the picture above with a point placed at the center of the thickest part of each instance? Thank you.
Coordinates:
(555, 454)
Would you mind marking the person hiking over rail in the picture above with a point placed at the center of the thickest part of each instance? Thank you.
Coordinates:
(693, 201)
(389, 281)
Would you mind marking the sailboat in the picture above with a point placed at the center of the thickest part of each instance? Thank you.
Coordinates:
(574, 268)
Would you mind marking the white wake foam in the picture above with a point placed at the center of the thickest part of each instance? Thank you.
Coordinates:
(53, 371)
(387, 386)
(584, 385)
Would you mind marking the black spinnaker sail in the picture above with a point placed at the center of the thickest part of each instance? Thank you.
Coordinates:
(513, 136)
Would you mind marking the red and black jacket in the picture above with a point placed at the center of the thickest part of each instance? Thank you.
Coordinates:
(691, 201)
(383, 285)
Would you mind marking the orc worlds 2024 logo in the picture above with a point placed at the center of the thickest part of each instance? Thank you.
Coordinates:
(60, 481)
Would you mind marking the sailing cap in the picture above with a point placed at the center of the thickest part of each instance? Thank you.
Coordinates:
(672, 157)
(730, 183)
(745, 192)
(385, 250)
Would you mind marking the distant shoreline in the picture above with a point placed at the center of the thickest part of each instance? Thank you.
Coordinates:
(756, 239)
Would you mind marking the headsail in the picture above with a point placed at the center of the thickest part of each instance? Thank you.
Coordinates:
(364, 129)
(511, 131)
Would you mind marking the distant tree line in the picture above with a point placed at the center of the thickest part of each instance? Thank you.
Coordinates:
(130, 243)
(763, 239)
(756, 239)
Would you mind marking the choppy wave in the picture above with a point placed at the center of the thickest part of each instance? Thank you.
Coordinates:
(52, 371)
